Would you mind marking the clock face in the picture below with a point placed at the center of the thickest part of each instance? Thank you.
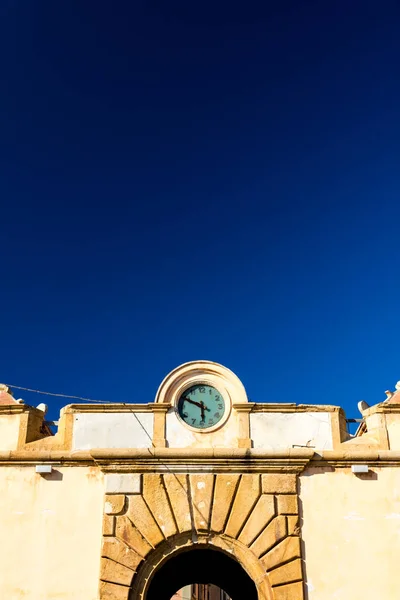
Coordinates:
(201, 406)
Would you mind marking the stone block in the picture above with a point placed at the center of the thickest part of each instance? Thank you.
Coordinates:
(293, 524)
(108, 525)
(225, 487)
(201, 488)
(262, 513)
(111, 591)
(122, 483)
(246, 497)
(287, 549)
(292, 591)
(244, 443)
(272, 534)
(288, 505)
(127, 532)
(143, 520)
(114, 505)
(286, 573)
(156, 498)
(115, 573)
(119, 552)
(279, 483)
(178, 492)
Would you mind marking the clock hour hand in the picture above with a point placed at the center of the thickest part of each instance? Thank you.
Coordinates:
(203, 409)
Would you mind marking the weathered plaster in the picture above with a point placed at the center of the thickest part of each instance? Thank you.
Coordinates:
(179, 436)
(393, 429)
(122, 483)
(288, 429)
(112, 430)
(351, 533)
(50, 533)
(9, 431)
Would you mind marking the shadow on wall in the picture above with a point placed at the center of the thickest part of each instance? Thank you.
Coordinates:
(53, 476)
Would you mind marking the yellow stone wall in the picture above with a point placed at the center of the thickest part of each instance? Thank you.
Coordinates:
(50, 531)
(302, 524)
(9, 431)
(351, 533)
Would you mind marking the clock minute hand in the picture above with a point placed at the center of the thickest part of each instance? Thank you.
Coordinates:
(193, 402)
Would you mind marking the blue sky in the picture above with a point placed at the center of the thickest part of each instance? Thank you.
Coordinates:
(188, 181)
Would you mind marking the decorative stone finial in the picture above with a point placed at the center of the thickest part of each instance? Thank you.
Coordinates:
(393, 397)
(6, 396)
(362, 406)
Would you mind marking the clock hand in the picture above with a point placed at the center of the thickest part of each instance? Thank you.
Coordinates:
(192, 402)
(203, 409)
(201, 405)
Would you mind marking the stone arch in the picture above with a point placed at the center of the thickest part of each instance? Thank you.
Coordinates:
(252, 517)
(232, 553)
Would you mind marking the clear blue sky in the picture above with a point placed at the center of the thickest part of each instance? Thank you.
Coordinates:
(205, 180)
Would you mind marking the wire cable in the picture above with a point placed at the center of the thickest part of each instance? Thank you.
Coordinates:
(91, 400)
(19, 387)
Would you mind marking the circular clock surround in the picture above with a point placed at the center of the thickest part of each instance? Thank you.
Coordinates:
(202, 406)
(202, 372)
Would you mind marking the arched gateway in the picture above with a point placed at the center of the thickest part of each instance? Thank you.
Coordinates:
(203, 563)
(200, 505)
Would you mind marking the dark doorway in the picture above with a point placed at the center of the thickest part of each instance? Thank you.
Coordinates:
(201, 591)
(202, 565)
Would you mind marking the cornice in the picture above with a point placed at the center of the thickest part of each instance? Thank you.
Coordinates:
(291, 407)
(384, 407)
(117, 407)
(55, 457)
(16, 409)
(346, 458)
(194, 460)
(252, 407)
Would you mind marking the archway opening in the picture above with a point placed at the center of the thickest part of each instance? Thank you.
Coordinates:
(201, 591)
(201, 566)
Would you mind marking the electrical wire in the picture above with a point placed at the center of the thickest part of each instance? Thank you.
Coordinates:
(19, 387)
(91, 400)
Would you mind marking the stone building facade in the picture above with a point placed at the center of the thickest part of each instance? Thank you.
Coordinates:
(271, 501)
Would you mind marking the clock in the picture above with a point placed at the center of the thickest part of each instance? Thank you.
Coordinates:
(201, 406)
